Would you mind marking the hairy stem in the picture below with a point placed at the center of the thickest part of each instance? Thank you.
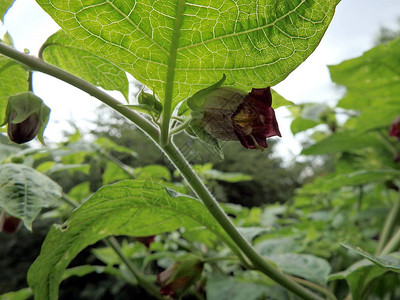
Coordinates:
(147, 285)
(177, 159)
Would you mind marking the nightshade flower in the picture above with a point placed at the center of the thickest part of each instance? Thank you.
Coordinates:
(231, 115)
(395, 128)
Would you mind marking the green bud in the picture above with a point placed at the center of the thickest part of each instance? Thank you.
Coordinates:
(26, 116)
(150, 100)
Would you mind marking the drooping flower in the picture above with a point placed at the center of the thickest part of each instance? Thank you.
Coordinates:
(228, 114)
(395, 128)
(254, 120)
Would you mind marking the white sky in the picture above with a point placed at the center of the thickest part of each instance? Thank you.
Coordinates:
(352, 31)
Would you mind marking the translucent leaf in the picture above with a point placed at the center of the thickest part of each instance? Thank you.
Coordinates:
(255, 43)
(130, 207)
(63, 52)
(24, 192)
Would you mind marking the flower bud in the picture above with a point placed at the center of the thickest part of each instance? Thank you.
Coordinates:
(180, 275)
(8, 223)
(395, 128)
(27, 116)
(24, 131)
(146, 240)
(228, 114)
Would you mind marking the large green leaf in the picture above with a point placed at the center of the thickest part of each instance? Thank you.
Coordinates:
(24, 192)
(130, 207)
(373, 84)
(255, 43)
(62, 51)
(13, 80)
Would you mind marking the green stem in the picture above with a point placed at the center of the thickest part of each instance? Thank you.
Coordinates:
(113, 243)
(169, 83)
(212, 205)
(69, 201)
(147, 285)
(388, 226)
(181, 126)
(127, 169)
(174, 155)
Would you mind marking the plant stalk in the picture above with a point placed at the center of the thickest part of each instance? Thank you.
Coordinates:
(148, 286)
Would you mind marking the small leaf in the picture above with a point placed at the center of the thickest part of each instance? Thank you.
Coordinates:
(381, 262)
(24, 192)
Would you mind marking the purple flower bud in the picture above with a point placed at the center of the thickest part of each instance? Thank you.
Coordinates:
(145, 240)
(26, 116)
(8, 223)
(395, 128)
(24, 131)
